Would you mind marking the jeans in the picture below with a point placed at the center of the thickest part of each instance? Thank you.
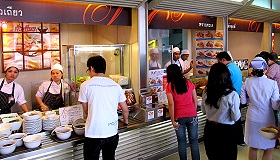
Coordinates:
(93, 146)
(191, 123)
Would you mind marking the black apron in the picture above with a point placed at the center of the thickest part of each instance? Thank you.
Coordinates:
(53, 101)
(6, 100)
(153, 68)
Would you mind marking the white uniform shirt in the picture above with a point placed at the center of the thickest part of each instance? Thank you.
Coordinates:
(102, 95)
(54, 89)
(185, 64)
(173, 62)
(228, 112)
(263, 96)
(154, 64)
(18, 92)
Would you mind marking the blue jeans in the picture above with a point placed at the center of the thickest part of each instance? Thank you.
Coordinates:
(191, 123)
(93, 146)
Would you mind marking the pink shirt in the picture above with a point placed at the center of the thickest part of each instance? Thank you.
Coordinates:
(183, 103)
(274, 73)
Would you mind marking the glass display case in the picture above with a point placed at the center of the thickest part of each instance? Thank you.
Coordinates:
(117, 62)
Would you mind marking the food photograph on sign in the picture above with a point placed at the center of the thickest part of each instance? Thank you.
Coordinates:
(202, 71)
(32, 46)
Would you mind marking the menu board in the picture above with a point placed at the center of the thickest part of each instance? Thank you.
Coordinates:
(155, 80)
(68, 115)
(208, 45)
(32, 46)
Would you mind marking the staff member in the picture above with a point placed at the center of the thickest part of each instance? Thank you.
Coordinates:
(10, 91)
(187, 66)
(50, 94)
(154, 57)
(175, 60)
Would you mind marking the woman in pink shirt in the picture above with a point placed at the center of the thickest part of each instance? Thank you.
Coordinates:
(182, 102)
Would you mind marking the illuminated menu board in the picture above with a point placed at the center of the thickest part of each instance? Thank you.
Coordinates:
(32, 46)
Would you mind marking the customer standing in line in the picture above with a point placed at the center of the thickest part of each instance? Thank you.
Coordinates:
(220, 103)
(182, 103)
(236, 78)
(263, 97)
(100, 97)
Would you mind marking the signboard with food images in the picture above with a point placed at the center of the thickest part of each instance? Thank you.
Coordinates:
(33, 46)
(155, 80)
(208, 44)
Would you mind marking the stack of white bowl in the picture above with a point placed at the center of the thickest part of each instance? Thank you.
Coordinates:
(50, 121)
(32, 122)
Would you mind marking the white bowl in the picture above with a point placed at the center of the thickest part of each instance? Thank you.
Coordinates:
(268, 133)
(63, 132)
(50, 115)
(79, 128)
(18, 138)
(15, 125)
(5, 129)
(7, 146)
(32, 141)
(32, 115)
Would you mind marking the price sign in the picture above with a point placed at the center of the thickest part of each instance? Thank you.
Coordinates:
(68, 114)
(160, 112)
(151, 115)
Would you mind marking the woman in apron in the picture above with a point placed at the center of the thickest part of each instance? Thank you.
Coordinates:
(10, 91)
(50, 93)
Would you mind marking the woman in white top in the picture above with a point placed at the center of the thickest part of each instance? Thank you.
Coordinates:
(10, 91)
(50, 94)
(220, 103)
(263, 97)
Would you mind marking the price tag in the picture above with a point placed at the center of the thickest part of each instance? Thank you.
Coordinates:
(151, 114)
(69, 114)
(160, 112)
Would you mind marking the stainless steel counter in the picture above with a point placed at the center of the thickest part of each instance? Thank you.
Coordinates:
(139, 140)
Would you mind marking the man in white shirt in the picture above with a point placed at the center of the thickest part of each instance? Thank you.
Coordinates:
(100, 97)
(175, 60)
(186, 65)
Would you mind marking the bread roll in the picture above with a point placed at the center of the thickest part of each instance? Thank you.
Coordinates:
(31, 64)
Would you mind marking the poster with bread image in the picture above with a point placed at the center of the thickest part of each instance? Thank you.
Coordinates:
(32, 46)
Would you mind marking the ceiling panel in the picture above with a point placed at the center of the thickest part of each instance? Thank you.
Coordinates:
(217, 8)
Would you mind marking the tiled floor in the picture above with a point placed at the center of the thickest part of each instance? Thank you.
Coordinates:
(242, 154)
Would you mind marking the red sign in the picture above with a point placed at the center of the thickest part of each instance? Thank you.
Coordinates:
(245, 25)
(63, 12)
(175, 20)
(275, 28)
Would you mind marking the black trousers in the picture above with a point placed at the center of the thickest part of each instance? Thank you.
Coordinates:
(93, 146)
(239, 131)
(220, 141)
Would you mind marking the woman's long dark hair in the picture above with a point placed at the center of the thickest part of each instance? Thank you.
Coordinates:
(176, 78)
(219, 84)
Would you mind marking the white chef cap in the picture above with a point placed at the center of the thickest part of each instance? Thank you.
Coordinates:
(185, 51)
(57, 66)
(258, 63)
(176, 49)
(12, 64)
(155, 50)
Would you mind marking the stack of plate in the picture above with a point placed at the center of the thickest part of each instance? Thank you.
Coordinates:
(32, 126)
(50, 124)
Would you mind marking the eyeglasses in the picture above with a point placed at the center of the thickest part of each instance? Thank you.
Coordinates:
(87, 70)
